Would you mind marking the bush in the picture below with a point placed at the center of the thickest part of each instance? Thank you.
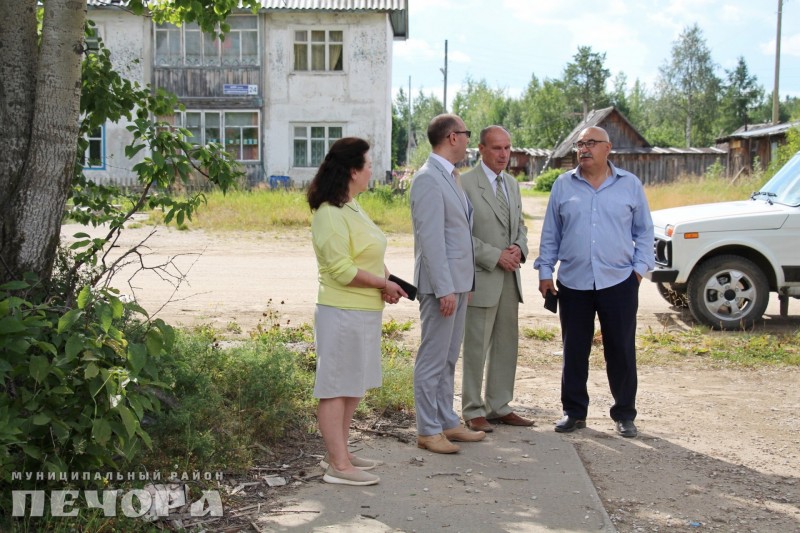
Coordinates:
(75, 389)
(228, 399)
(544, 181)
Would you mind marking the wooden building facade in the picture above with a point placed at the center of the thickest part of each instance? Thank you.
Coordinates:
(753, 146)
(631, 151)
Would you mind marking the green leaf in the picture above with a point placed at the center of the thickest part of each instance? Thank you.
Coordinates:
(14, 286)
(116, 307)
(81, 235)
(79, 244)
(136, 405)
(17, 346)
(101, 431)
(91, 371)
(154, 342)
(11, 324)
(74, 346)
(84, 296)
(46, 347)
(129, 419)
(32, 451)
(39, 367)
(134, 307)
(105, 317)
(41, 419)
(137, 355)
(69, 318)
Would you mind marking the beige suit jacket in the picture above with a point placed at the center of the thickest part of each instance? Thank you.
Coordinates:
(489, 237)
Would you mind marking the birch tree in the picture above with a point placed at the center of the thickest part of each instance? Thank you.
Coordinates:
(41, 85)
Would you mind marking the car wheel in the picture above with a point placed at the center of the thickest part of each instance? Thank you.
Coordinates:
(673, 297)
(728, 292)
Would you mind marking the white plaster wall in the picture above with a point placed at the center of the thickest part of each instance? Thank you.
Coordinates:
(359, 97)
(128, 37)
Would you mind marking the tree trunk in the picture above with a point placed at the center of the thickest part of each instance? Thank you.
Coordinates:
(40, 110)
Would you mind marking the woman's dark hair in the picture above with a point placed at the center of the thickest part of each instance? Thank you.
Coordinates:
(331, 183)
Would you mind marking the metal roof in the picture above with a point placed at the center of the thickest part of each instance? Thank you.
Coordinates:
(341, 5)
(397, 9)
(762, 130)
(669, 150)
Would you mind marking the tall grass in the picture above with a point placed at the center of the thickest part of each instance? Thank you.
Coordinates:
(710, 188)
(260, 210)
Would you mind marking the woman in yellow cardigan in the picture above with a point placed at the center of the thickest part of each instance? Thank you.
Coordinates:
(353, 287)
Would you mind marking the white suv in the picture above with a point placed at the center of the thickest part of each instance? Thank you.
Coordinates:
(722, 260)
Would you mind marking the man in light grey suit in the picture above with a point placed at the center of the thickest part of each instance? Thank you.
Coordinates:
(500, 239)
(444, 272)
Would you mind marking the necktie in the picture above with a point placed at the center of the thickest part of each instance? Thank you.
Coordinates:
(505, 214)
(457, 178)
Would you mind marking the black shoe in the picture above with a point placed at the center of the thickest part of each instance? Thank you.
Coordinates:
(626, 428)
(569, 424)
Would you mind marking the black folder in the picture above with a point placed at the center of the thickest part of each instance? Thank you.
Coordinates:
(406, 286)
(551, 302)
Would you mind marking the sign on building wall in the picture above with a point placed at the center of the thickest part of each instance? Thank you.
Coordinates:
(231, 89)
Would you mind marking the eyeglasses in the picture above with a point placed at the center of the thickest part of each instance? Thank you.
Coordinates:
(591, 143)
(465, 132)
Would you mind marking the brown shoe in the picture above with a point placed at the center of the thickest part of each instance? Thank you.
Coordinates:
(437, 444)
(512, 419)
(480, 423)
(462, 434)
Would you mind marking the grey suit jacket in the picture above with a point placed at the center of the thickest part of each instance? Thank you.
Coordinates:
(443, 255)
(490, 235)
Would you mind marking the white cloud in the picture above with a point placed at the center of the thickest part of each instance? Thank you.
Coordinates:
(415, 49)
(790, 46)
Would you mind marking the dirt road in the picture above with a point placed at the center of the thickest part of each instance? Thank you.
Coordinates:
(719, 447)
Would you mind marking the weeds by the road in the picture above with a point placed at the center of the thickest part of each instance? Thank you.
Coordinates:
(260, 210)
(749, 349)
(714, 186)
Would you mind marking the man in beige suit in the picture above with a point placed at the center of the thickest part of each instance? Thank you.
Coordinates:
(499, 237)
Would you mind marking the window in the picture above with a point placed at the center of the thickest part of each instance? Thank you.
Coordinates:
(318, 50)
(237, 131)
(240, 46)
(95, 155)
(188, 46)
(312, 142)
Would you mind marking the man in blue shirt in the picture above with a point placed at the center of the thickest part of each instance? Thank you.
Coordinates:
(598, 226)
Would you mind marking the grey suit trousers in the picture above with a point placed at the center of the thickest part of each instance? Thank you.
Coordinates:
(435, 366)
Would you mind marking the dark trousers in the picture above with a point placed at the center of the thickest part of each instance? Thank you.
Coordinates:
(616, 309)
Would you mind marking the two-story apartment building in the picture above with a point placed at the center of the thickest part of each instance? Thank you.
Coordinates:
(282, 86)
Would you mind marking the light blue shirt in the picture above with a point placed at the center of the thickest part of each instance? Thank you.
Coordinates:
(598, 236)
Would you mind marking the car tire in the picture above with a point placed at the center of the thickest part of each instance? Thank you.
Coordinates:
(673, 297)
(728, 292)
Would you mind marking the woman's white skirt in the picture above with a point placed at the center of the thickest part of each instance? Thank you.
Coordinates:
(348, 351)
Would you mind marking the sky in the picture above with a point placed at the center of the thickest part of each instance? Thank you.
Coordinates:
(505, 42)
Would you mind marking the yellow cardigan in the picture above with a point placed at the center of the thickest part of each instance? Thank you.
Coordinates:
(345, 240)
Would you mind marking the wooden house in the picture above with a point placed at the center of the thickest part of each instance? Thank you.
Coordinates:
(755, 145)
(631, 151)
(282, 86)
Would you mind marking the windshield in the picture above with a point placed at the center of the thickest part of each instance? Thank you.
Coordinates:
(784, 187)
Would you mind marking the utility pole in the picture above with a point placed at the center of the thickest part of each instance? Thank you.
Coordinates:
(444, 71)
(775, 96)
